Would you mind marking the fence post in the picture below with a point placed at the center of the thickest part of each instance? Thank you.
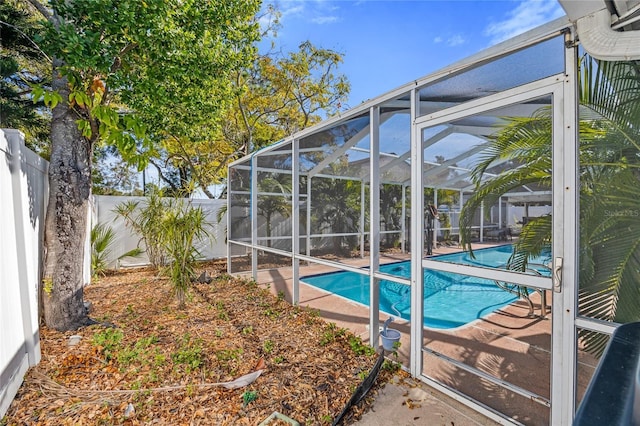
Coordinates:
(22, 192)
(28, 299)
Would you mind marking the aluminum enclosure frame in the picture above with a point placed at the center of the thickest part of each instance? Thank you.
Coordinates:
(565, 209)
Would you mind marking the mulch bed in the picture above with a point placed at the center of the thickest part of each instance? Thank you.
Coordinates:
(149, 362)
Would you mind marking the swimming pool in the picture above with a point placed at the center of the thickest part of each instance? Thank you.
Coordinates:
(450, 300)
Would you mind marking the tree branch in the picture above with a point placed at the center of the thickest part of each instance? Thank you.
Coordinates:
(27, 37)
(198, 177)
(117, 63)
(44, 11)
(162, 176)
(243, 113)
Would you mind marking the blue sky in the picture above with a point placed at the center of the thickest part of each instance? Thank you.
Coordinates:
(388, 43)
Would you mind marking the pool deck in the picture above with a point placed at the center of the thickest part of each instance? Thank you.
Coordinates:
(502, 344)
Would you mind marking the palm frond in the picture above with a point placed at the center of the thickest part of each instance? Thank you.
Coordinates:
(612, 233)
(609, 128)
(610, 196)
(522, 140)
(534, 240)
(103, 238)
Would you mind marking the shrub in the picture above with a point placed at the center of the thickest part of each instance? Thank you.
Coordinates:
(183, 225)
(170, 228)
(102, 239)
(146, 220)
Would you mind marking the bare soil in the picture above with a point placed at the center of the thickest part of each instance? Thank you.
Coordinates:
(148, 362)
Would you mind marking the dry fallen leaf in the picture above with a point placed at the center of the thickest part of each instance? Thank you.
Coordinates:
(182, 353)
(242, 381)
(129, 411)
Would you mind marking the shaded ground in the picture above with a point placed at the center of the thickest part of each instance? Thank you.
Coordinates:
(161, 365)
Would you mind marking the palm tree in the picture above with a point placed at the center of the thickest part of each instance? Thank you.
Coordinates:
(336, 209)
(610, 197)
(609, 193)
(270, 205)
(391, 212)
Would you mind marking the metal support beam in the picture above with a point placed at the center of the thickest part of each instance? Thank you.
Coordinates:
(362, 216)
(340, 151)
(374, 225)
(436, 222)
(403, 234)
(308, 215)
(482, 221)
(417, 241)
(295, 218)
(254, 217)
(454, 160)
(432, 140)
(565, 241)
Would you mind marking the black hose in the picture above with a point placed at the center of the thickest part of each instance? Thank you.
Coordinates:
(362, 390)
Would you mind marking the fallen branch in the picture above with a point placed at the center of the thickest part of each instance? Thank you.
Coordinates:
(52, 385)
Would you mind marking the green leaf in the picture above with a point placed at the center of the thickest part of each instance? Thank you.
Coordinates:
(37, 93)
(85, 128)
(82, 99)
(51, 99)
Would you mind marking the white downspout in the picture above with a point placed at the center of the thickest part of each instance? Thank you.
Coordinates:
(602, 42)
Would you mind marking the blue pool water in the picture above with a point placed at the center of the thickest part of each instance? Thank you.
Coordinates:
(450, 300)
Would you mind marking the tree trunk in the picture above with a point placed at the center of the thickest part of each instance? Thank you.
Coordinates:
(66, 220)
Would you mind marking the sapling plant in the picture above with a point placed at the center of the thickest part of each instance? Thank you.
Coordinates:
(145, 218)
(170, 228)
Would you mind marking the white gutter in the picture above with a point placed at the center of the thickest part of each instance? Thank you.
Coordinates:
(602, 42)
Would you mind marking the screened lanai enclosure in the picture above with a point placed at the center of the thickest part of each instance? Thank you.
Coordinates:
(492, 206)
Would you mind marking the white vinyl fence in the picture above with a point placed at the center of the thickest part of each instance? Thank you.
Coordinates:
(23, 195)
(23, 189)
(125, 240)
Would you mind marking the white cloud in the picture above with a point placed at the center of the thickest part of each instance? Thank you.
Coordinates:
(324, 12)
(320, 12)
(527, 15)
(325, 20)
(455, 40)
(452, 41)
(288, 9)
